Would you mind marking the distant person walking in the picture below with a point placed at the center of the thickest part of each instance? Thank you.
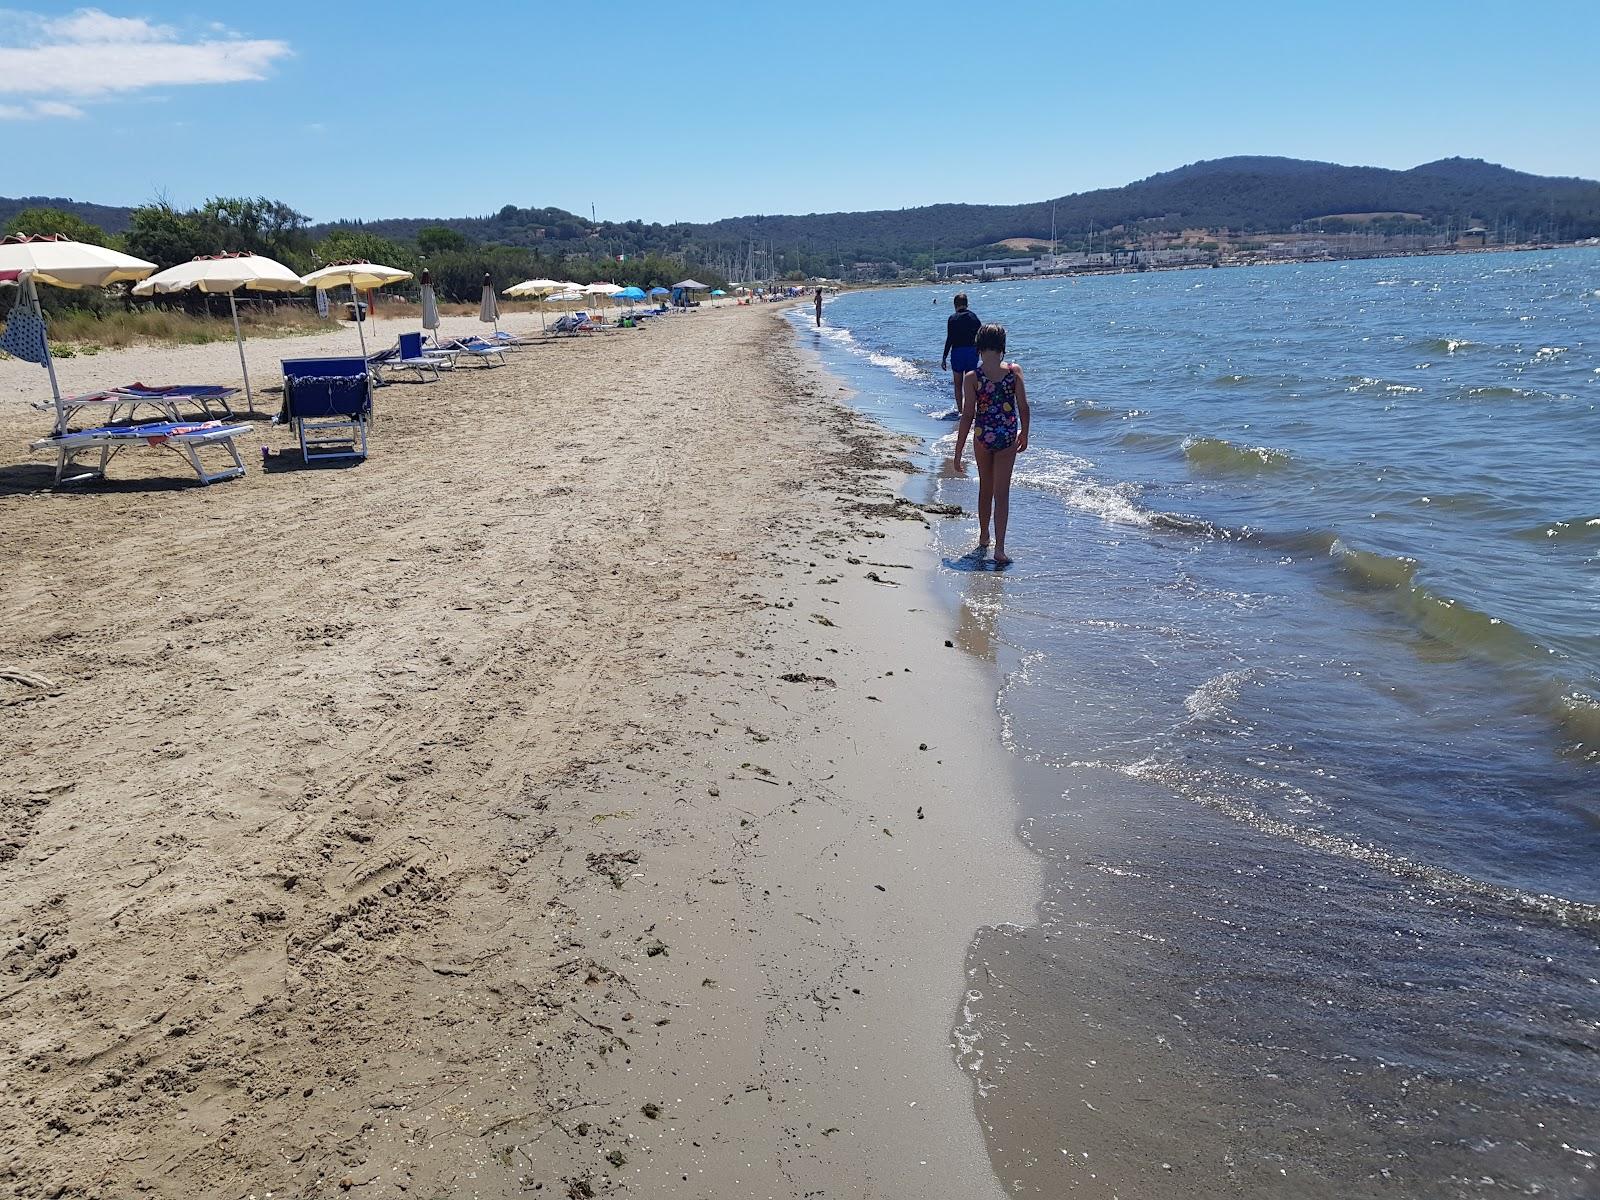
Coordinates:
(960, 343)
(995, 403)
(819, 308)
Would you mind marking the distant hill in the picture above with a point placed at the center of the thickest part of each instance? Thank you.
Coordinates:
(109, 217)
(1248, 194)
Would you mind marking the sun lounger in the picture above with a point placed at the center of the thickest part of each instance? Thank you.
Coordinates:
(474, 349)
(105, 406)
(573, 324)
(329, 402)
(186, 440)
(408, 356)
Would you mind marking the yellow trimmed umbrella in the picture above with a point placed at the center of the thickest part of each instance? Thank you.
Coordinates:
(62, 262)
(359, 275)
(228, 273)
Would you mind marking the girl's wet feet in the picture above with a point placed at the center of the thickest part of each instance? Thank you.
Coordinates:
(1002, 559)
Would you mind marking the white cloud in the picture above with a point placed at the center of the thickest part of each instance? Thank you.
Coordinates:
(35, 109)
(91, 54)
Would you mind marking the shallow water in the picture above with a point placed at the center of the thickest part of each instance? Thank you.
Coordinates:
(1300, 658)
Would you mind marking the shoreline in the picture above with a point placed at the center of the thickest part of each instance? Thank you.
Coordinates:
(495, 816)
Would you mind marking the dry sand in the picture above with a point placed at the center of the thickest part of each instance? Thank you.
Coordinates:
(576, 798)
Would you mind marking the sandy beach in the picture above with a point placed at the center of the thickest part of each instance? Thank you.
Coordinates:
(580, 797)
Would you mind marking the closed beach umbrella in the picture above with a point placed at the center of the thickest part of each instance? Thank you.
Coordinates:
(489, 307)
(53, 259)
(430, 306)
(228, 273)
(356, 275)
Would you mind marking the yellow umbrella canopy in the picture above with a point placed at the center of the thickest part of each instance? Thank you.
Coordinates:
(225, 273)
(359, 275)
(54, 259)
(58, 260)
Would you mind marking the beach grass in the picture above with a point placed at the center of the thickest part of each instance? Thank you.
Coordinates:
(82, 332)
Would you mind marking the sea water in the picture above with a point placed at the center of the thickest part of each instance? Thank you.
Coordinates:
(1299, 663)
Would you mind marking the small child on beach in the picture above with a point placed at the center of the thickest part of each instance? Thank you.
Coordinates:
(996, 402)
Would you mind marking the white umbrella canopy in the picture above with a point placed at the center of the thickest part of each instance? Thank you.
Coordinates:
(357, 275)
(539, 288)
(58, 260)
(536, 287)
(226, 273)
(692, 285)
(223, 273)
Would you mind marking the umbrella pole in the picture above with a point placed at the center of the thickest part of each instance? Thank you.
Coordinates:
(49, 360)
(355, 296)
(249, 397)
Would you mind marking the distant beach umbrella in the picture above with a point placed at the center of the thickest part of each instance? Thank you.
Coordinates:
(51, 258)
(718, 292)
(660, 291)
(430, 306)
(212, 273)
(356, 274)
(539, 288)
(489, 308)
(690, 285)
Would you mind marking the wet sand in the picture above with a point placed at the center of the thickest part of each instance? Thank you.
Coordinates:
(576, 798)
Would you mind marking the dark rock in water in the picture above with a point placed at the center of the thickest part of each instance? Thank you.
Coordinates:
(953, 415)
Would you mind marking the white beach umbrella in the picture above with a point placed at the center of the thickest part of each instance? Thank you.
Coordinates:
(692, 285)
(539, 288)
(225, 273)
(53, 259)
(357, 275)
(489, 308)
(601, 289)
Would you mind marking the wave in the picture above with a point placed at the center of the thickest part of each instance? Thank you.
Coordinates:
(1221, 457)
(1503, 392)
(1089, 411)
(1067, 477)
(1370, 385)
(1579, 529)
(1467, 630)
(1214, 699)
(1447, 345)
(1225, 797)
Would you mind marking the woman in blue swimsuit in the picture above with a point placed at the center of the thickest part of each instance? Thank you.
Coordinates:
(995, 401)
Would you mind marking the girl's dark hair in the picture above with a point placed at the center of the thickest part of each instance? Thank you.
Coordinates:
(992, 337)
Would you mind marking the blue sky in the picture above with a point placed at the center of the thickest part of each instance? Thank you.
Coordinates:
(695, 109)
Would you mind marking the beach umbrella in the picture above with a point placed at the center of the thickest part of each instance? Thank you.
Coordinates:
(58, 260)
(690, 285)
(430, 306)
(718, 292)
(539, 288)
(356, 275)
(660, 291)
(211, 273)
(489, 307)
(601, 289)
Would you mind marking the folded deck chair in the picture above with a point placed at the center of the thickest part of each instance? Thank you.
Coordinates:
(329, 402)
(408, 356)
(185, 439)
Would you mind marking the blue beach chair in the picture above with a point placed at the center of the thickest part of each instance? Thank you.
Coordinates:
(408, 356)
(329, 402)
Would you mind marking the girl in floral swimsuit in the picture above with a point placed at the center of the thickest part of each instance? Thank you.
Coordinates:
(996, 402)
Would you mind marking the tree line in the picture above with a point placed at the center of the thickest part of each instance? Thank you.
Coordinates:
(163, 234)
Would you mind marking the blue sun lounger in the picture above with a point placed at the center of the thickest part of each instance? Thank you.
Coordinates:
(329, 402)
(408, 356)
(186, 439)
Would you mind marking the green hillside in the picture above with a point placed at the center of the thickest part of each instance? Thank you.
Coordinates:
(1243, 195)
